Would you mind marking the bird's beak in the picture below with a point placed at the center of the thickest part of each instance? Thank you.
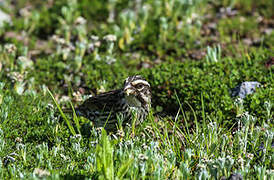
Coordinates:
(128, 90)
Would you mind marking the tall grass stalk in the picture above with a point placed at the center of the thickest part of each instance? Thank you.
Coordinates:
(62, 114)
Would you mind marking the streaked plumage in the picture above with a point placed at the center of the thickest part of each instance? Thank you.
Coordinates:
(104, 108)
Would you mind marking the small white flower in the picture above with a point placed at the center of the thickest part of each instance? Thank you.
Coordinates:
(64, 98)
(25, 62)
(78, 136)
(18, 139)
(16, 76)
(250, 156)
(99, 129)
(41, 172)
(63, 156)
(144, 146)
(10, 48)
(80, 20)
(25, 12)
(77, 96)
(110, 38)
(94, 38)
(50, 106)
(142, 157)
(201, 166)
(97, 44)
(58, 39)
(120, 133)
(241, 160)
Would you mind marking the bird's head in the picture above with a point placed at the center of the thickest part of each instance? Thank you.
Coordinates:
(137, 91)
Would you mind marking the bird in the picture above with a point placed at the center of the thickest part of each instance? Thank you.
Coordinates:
(133, 100)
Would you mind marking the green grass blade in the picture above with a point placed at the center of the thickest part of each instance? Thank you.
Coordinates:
(62, 114)
(195, 118)
(203, 111)
(75, 118)
(181, 107)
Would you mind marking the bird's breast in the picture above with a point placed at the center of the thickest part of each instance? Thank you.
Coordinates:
(133, 101)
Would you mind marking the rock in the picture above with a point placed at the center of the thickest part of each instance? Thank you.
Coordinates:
(245, 88)
(235, 176)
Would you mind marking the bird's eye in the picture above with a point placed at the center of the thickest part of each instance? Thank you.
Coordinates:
(139, 86)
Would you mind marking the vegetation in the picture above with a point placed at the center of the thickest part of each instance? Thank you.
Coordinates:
(193, 53)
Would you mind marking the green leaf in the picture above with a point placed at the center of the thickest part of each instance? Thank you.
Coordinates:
(104, 157)
(124, 168)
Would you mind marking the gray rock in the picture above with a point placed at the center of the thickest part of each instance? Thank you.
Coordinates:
(245, 88)
(236, 176)
(233, 176)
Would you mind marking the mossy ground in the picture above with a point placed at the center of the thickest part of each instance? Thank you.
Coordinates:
(193, 53)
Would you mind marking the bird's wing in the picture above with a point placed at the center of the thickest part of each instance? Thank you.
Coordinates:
(100, 105)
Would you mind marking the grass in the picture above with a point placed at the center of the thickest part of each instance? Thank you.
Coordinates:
(193, 53)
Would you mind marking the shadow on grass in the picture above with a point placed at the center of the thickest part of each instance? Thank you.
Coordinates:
(80, 176)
